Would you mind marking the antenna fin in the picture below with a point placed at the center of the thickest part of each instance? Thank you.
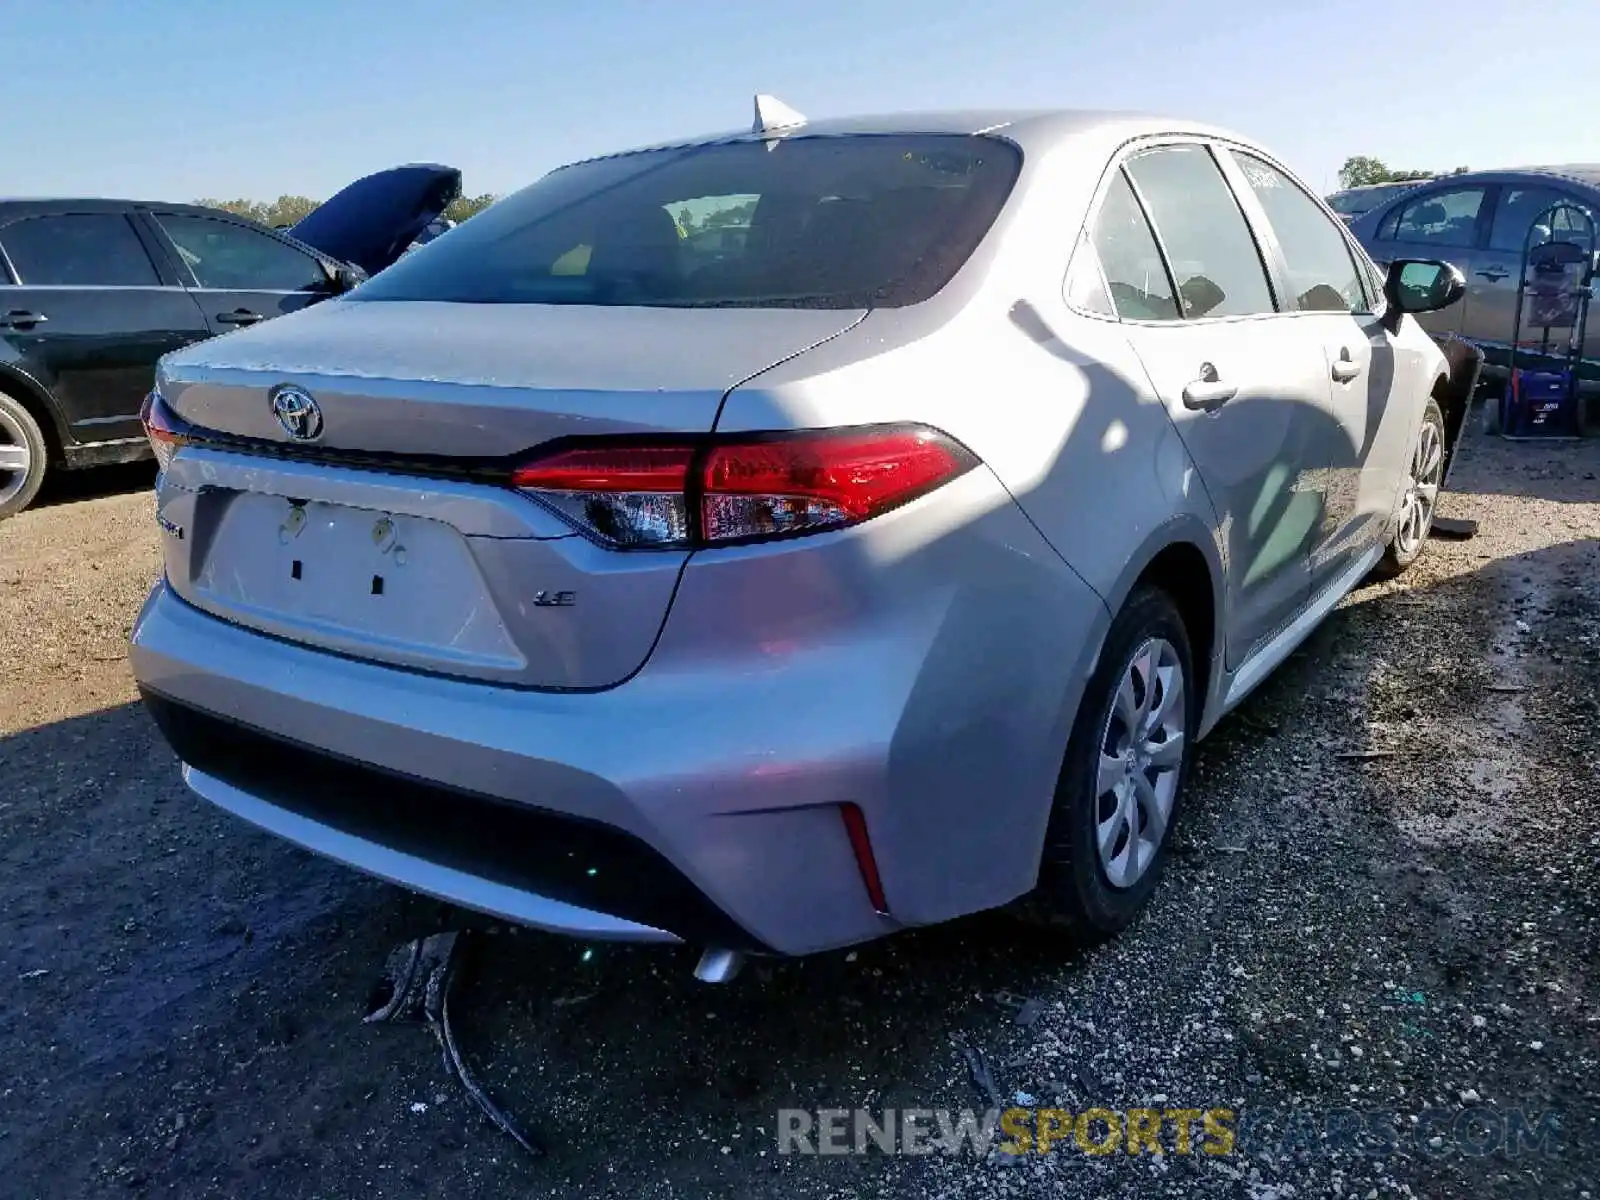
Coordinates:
(773, 115)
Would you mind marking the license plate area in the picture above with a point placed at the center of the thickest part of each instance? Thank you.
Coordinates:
(394, 586)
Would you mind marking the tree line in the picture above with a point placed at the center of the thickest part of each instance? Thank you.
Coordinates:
(1362, 170)
(288, 210)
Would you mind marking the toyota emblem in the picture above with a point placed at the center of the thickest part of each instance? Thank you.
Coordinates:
(298, 413)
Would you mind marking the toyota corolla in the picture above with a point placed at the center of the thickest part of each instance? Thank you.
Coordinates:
(880, 565)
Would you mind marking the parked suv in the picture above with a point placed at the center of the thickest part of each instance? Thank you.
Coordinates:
(882, 567)
(93, 292)
(1480, 221)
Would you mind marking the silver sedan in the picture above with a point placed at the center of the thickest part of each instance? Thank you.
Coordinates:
(875, 566)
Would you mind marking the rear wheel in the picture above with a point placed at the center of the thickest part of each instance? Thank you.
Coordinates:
(1122, 781)
(1424, 475)
(23, 457)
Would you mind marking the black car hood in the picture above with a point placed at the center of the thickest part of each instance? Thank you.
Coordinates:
(372, 221)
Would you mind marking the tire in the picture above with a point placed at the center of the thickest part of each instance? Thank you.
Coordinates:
(24, 455)
(1079, 889)
(1425, 469)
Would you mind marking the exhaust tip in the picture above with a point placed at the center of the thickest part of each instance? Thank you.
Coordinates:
(718, 966)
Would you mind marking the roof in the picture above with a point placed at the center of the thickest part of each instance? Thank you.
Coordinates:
(94, 204)
(1586, 173)
(1027, 126)
(1387, 183)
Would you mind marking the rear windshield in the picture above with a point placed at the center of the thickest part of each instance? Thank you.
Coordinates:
(820, 222)
(1367, 199)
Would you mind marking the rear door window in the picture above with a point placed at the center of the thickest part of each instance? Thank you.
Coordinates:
(812, 222)
(1322, 271)
(1086, 284)
(1519, 207)
(1135, 275)
(1445, 219)
(78, 250)
(1211, 251)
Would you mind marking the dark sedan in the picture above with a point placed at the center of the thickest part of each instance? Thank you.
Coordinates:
(93, 292)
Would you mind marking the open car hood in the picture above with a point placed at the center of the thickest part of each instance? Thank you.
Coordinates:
(372, 221)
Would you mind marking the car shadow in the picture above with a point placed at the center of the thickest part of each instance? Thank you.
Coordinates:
(152, 942)
(93, 483)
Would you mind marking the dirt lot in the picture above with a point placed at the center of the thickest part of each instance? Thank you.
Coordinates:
(1399, 936)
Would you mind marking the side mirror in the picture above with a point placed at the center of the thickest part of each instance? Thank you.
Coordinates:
(1420, 285)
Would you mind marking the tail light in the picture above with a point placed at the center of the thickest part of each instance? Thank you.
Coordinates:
(726, 491)
(162, 428)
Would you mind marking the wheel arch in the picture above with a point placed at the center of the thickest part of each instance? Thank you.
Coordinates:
(1455, 386)
(41, 406)
(1182, 559)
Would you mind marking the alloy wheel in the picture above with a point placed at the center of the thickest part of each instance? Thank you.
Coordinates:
(16, 458)
(1140, 763)
(1422, 490)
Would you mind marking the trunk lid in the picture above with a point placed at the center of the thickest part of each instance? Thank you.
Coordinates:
(484, 380)
(440, 573)
(372, 221)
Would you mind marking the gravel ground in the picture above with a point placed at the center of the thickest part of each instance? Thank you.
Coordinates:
(1388, 939)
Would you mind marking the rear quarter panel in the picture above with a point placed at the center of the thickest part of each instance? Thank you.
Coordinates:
(925, 665)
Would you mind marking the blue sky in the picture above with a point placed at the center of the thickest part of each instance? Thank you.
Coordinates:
(177, 99)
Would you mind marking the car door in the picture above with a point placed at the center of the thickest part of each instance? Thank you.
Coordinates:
(1361, 450)
(1492, 286)
(241, 275)
(1445, 222)
(88, 313)
(1243, 386)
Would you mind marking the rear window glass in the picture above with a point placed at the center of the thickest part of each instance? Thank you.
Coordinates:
(78, 250)
(1354, 204)
(820, 222)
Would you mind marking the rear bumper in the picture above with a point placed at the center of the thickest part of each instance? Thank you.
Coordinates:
(530, 865)
(527, 793)
(931, 684)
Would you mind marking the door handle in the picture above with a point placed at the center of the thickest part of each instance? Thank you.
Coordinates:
(1208, 393)
(1494, 274)
(19, 318)
(1345, 368)
(239, 316)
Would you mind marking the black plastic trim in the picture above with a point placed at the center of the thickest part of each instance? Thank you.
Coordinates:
(570, 859)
